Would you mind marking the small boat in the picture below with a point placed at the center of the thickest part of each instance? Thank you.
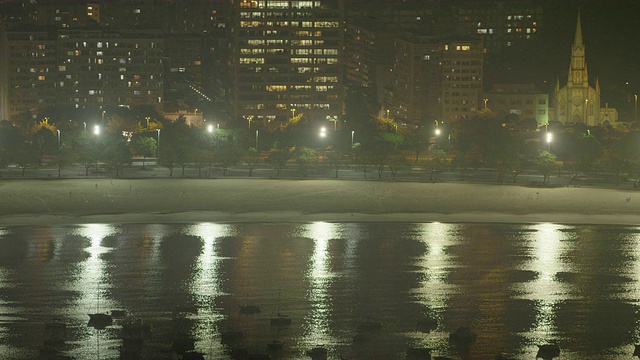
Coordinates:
(462, 335)
(182, 345)
(231, 337)
(418, 354)
(317, 353)
(193, 355)
(369, 326)
(280, 320)
(249, 309)
(100, 320)
(55, 331)
(426, 325)
(548, 351)
(118, 314)
(275, 345)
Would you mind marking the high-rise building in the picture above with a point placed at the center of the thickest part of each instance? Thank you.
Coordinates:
(30, 63)
(461, 76)
(416, 81)
(287, 59)
(99, 68)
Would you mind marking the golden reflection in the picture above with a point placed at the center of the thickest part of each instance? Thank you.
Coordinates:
(206, 284)
(320, 276)
(634, 265)
(92, 283)
(545, 291)
(435, 290)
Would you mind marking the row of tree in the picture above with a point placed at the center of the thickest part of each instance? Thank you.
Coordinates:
(486, 140)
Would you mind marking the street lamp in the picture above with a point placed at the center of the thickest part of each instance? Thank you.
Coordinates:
(210, 129)
(256, 139)
(96, 132)
(158, 148)
(58, 131)
(85, 127)
(323, 134)
(635, 108)
(102, 123)
(485, 103)
(249, 120)
(549, 137)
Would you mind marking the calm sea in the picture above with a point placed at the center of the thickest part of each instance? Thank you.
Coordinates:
(515, 286)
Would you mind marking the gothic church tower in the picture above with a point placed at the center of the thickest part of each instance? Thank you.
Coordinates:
(578, 102)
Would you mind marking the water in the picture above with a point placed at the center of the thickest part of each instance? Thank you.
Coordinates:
(516, 286)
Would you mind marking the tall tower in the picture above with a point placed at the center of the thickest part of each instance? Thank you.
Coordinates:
(578, 75)
(578, 102)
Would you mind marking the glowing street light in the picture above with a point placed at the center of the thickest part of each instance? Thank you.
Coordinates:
(96, 129)
(158, 148)
(323, 132)
(635, 107)
(485, 103)
(549, 138)
(85, 127)
(58, 131)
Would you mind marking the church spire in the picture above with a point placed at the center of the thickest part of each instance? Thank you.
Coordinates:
(578, 75)
(577, 40)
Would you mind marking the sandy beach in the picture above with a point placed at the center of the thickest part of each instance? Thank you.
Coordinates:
(75, 201)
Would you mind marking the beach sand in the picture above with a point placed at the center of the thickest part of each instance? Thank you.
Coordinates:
(76, 201)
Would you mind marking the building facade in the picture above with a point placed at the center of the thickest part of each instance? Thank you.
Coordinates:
(462, 79)
(578, 102)
(287, 59)
(522, 100)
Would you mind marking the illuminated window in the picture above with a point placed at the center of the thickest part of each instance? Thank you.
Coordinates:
(41, 77)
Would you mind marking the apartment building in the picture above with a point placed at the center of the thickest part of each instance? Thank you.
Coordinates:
(461, 77)
(98, 68)
(287, 59)
(521, 100)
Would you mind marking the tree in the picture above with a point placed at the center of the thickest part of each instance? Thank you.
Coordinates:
(251, 158)
(64, 156)
(305, 158)
(228, 156)
(87, 151)
(396, 162)
(336, 159)
(146, 147)
(278, 159)
(26, 155)
(545, 162)
(117, 154)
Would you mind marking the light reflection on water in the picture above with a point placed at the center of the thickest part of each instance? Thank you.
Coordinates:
(517, 286)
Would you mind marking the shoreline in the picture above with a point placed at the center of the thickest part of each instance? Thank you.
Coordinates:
(81, 201)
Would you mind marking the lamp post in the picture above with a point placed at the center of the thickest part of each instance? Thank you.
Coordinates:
(635, 107)
(158, 148)
(323, 134)
(58, 131)
(102, 123)
(586, 111)
(210, 129)
(485, 103)
(96, 132)
(249, 120)
(256, 139)
(549, 137)
(85, 127)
